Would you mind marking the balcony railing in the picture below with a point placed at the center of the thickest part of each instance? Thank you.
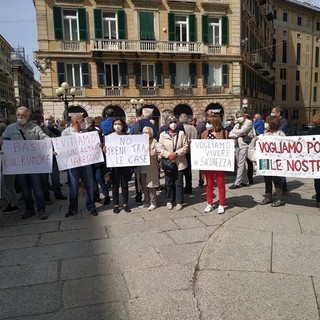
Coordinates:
(73, 46)
(113, 91)
(183, 91)
(148, 91)
(256, 60)
(80, 91)
(215, 90)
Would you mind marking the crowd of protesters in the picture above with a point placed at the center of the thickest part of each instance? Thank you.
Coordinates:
(170, 144)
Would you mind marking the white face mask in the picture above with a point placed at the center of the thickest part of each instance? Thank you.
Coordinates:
(272, 114)
(266, 126)
(173, 126)
(117, 127)
(21, 121)
(209, 126)
(240, 119)
(83, 126)
(228, 123)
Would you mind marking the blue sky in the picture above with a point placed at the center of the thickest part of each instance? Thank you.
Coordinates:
(18, 25)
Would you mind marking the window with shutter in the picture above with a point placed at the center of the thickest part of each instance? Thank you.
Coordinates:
(192, 28)
(137, 73)
(205, 28)
(193, 74)
(123, 74)
(146, 26)
(159, 74)
(172, 72)
(171, 26)
(205, 74)
(57, 21)
(83, 24)
(61, 73)
(225, 75)
(122, 24)
(101, 75)
(97, 13)
(225, 30)
(85, 74)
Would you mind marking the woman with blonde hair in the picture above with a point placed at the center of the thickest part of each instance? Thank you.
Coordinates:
(215, 130)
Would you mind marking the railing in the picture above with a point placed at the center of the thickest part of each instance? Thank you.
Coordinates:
(80, 92)
(183, 91)
(148, 91)
(73, 46)
(256, 60)
(215, 90)
(113, 91)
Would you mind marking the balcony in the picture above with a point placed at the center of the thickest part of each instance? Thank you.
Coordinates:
(213, 5)
(183, 91)
(256, 60)
(112, 45)
(215, 49)
(265, 69)
(148, 91)
(215, 90)
(269, 12)
(73, 46)
(113, 92)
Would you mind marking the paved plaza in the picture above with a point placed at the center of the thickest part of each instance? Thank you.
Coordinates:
(253, 262)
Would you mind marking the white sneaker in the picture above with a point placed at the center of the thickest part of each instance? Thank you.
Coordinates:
(169, 205)
(143, 206)
(221, 209)
(179, 207)
(152, 207)
(208, 208)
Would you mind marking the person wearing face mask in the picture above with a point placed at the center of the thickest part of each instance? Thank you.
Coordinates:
(229, 123)
(174, 146)
(50, 130)
(30, 184)
(120, 175)
(77, 126)
(214, 130)
(243, 132)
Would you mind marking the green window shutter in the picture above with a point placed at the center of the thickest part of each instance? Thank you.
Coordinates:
(137, 73)
(123, 73)
(225, 30)
(97, 13)
(122, 24)
(172, 72)
(61, 73)
(193, 74)
(146, 26)
(85, 74)
(205, 74)
(101, 75)
(171, 26)
(225, 75)
(57, 21)
(159, 74)
(205, 29)
(82, 23)
(192, 28)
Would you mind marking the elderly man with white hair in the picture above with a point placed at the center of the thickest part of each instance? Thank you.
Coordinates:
(137, 127)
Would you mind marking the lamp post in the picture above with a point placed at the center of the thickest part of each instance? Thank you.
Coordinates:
(64, 92)
(135, 103)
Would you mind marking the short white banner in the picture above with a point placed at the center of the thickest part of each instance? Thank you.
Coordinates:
(127, 150)
(27, 156)
(212, 154)
(297, 156)
(78, 150)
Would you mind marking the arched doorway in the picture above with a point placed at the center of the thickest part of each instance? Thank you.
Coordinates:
(155, 115)
(183, 108)
(118, 112)
(76, 109)
(216, 108)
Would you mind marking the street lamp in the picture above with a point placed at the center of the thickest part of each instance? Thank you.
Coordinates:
(64, 92)
(135, 103)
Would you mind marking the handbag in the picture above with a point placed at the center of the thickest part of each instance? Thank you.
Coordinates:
(167, 165)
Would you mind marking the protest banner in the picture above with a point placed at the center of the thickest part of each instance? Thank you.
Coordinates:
(26, 156)
(78, 150)
(127, 150)
(212, 154)
(297, 156)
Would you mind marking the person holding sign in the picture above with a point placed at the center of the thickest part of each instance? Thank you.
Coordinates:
(273, 125)
(77, 124)
(174, 146)
(120, 175)
(215, 130)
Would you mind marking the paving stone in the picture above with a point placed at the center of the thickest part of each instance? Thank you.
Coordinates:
(189, 222)
(181, 253)
(17, 276)
(73, 235)
(237, 249)
(44, 253)
(30, 300)
(214, 219)
(192, 235)
(254, 295)
(15, 242)
(262, 218)
(163, 213)
(174, 305)
(29, 228)
(310, 224)
(127, 259)
(94, 290)
(122, 230)
(142, 240)
(296, 254)
(160, 279)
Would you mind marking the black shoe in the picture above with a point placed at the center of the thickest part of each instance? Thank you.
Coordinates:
(187, 190)
(61, 197)
(278, 203)
(10, 209)
(28, 214)
(127, 209)
(97, 199)
(94, 212)
(265, 201)
(244, 185)
(71, 213)
(106, 200)
(251, 182)
(234, 186)
(116, 210)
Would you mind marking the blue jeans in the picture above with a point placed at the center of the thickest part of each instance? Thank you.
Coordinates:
(74, 175)
(99, 172)
(32, 183)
